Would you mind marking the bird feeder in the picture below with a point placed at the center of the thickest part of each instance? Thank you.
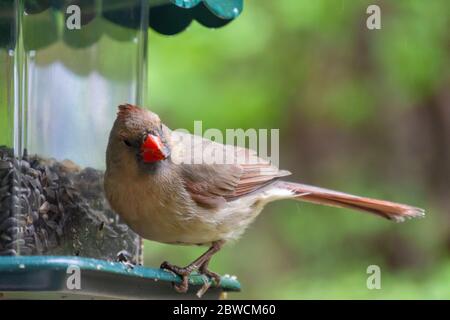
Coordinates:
(65, 65)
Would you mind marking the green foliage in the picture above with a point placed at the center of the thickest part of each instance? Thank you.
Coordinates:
(413, 54)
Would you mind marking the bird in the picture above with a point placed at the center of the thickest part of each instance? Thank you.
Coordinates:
(160, 186)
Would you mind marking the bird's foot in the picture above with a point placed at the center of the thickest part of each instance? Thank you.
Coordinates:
(210, 274)
(201, 265)
(184, 273)
(207, 283)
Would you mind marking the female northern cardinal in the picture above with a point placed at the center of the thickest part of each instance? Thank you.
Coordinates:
(152, 182)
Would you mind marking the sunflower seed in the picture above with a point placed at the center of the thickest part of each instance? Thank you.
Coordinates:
(50, 207)
(5, 165)
(8, 252)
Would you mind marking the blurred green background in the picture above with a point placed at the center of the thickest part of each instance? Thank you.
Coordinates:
(367, 112)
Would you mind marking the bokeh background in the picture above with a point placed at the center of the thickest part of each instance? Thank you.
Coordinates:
(367, 112)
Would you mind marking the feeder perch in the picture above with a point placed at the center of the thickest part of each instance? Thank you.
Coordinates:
(59, 89)
(52, 277)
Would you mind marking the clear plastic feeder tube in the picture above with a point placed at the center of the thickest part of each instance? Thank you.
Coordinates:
(65, 66)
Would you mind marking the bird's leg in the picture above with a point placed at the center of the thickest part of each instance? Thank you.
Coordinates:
(211, 275)
(204, 270)
(197, 264)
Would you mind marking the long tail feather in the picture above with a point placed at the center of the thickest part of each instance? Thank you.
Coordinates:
(389, 210)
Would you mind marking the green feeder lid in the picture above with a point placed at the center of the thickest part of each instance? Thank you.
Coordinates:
(174, 17)
(167, 17)
(226, 9)
(45, 277)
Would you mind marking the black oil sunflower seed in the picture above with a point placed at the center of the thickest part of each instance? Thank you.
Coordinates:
(50, 207)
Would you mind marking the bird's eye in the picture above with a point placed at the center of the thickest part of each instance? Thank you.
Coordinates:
(127, 143)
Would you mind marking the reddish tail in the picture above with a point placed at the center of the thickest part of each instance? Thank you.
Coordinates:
(390, 210)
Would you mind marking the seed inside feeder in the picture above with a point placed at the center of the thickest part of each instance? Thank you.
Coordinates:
(57, 208)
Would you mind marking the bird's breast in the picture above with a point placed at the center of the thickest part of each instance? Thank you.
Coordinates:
(161, 211)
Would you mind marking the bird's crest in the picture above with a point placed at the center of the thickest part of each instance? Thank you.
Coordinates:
(125, 110)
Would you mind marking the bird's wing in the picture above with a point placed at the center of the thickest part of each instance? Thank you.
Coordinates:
(214, 173)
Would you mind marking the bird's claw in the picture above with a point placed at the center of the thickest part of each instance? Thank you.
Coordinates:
(184, 273)
(175, 269)
(211, 275)
(183, 286)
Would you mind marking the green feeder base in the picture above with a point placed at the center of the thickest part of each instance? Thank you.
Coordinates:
(57, 277)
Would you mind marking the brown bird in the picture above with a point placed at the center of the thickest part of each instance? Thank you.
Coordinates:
(155, 182)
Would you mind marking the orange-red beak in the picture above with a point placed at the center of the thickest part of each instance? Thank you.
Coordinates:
(153, 150)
